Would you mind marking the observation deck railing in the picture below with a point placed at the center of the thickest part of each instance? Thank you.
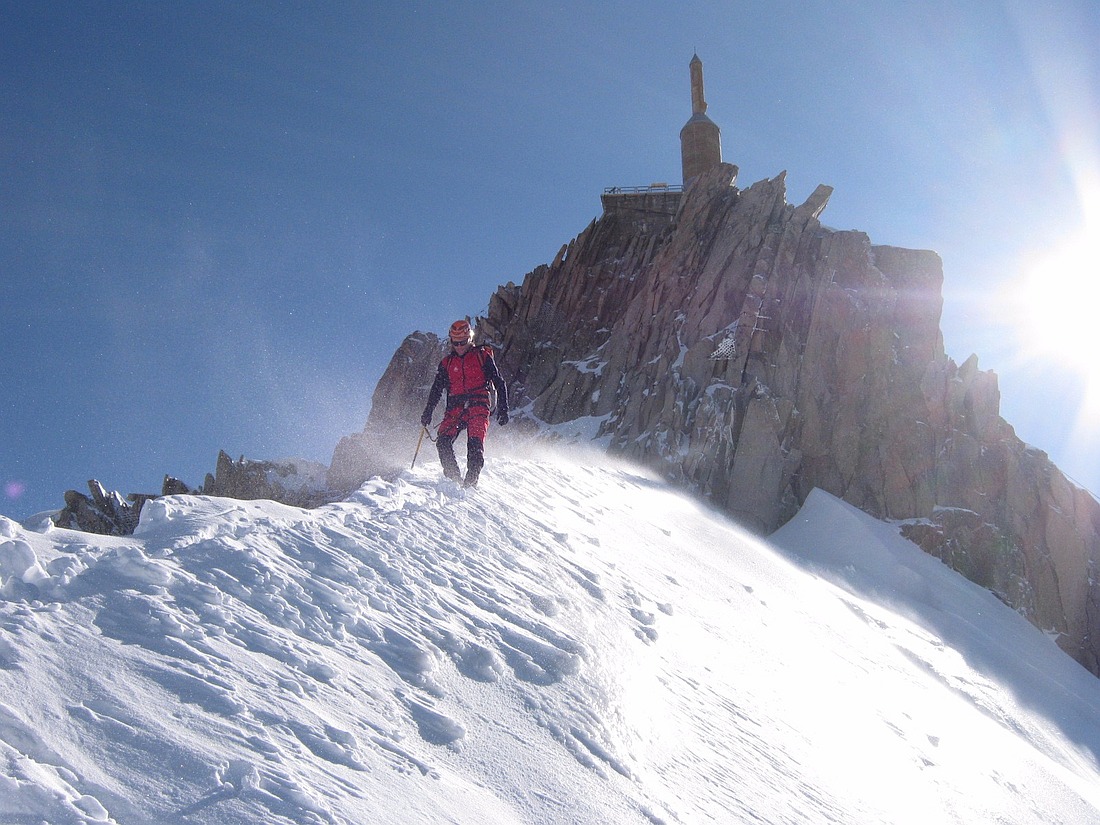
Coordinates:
(642, 190)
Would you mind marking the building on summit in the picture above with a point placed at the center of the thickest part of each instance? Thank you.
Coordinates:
(700, 139)
(648, 207)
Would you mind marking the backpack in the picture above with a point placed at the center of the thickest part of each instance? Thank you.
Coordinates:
(483, 352)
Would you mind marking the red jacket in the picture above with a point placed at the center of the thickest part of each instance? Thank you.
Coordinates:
(467, 378)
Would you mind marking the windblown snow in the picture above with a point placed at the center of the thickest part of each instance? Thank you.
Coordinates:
(571, 643)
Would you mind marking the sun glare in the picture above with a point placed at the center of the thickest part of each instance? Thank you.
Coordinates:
(1057, 309)
(1054, 311)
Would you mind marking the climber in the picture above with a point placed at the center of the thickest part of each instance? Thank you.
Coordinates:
(466, 373)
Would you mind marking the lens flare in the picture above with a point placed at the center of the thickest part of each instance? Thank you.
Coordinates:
(1054, 311)
(1057, 303)
(15, 489)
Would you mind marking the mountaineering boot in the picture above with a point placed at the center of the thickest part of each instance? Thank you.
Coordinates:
(446, 449)
(475, 460)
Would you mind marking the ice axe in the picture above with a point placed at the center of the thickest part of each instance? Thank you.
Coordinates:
(419, 441)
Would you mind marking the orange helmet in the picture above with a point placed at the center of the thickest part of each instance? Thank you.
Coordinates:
(461, 332)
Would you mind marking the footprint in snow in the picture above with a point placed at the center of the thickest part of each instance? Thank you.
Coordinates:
(9, 656)
(337, 746)
(478, 662)
(410, 660)
(589, 581)
(435, 727)
(545, 605)
(208, 692)
(645, 629)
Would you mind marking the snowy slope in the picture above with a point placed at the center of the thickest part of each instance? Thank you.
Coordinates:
(566, 644)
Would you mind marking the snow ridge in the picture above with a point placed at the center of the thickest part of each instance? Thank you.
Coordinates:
(569, 643)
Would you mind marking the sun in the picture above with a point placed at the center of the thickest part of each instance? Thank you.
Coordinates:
(1050, 317)
(1055, 307)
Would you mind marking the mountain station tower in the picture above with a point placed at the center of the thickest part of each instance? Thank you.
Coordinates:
(700, 139)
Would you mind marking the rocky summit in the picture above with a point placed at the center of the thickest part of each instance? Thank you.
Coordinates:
(752, 354)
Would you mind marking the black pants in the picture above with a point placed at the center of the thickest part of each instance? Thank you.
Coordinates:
(475, 458)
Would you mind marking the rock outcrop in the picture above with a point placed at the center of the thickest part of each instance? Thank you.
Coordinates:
(298, 483)
(388, 442)
(108, 513)
(751, 354)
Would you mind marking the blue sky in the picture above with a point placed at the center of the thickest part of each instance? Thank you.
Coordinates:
(218, 221)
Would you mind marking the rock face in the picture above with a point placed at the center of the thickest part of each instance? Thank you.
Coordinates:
(389, 439)
(751, 354)
(110, 514)
(298, 483)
